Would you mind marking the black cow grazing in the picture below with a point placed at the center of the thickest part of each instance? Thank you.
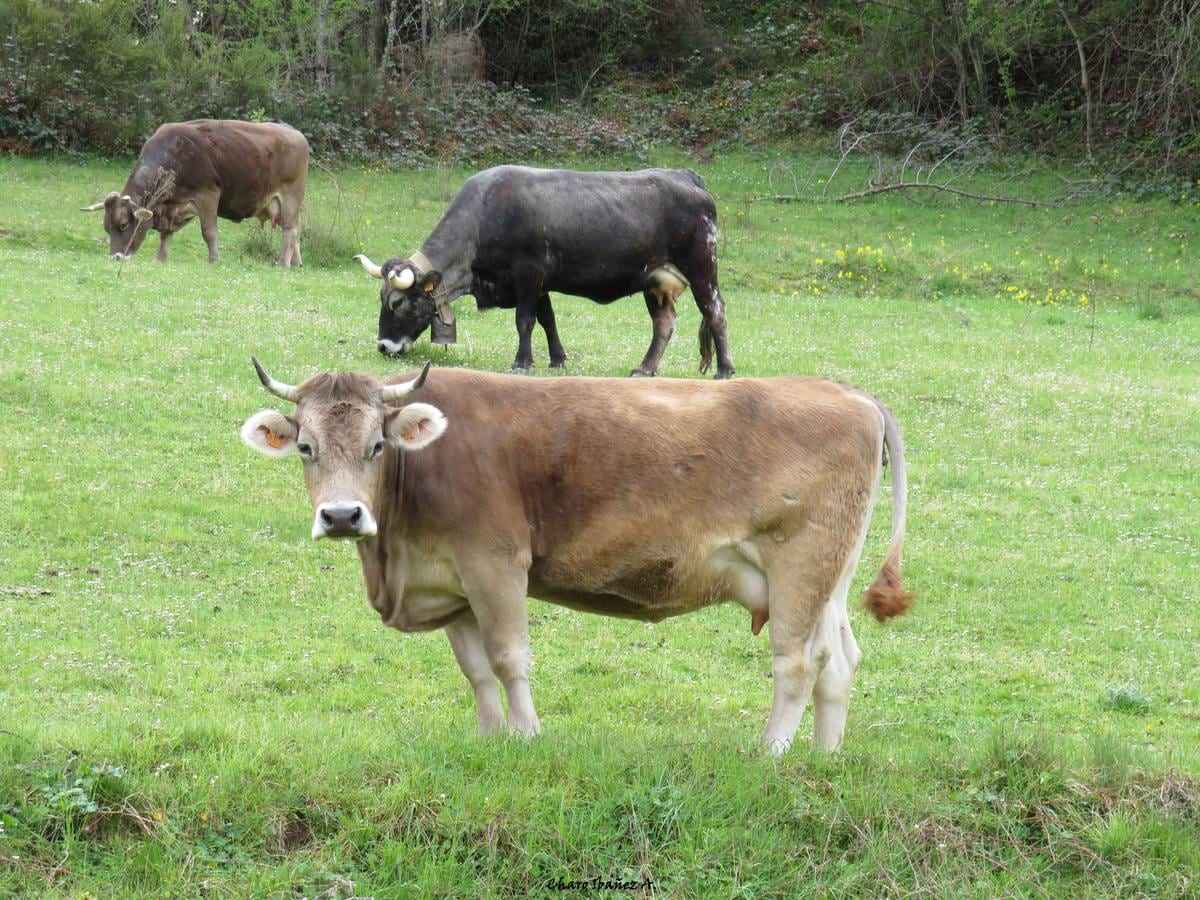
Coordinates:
(512, 234)
(210, 168)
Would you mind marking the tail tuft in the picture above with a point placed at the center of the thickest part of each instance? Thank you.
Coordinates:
(886, 598)
(706, 347)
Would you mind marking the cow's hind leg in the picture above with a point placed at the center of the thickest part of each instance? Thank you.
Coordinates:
(808, 574)
(527, 287)
(662, 314)
(794, 606)
(467, 643)
(545, 317)
(289, 218)
(831, 693)
(700, 268)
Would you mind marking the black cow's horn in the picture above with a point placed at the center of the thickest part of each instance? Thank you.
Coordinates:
(403, 281)
(371, 268)
(392, 392)
(278, 388)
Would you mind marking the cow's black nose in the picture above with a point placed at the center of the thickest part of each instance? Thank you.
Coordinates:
(332, 517)
(344, 519)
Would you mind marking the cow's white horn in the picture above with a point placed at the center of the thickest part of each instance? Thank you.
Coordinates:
(392, 392)
(371, 268)
(403, 281)
(99, 204)
(278, 388)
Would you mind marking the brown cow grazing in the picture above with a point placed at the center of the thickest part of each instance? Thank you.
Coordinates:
(635, 498)
(211, 168)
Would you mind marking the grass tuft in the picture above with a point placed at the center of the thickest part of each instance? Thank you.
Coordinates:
(1126, 698)
(324, 244)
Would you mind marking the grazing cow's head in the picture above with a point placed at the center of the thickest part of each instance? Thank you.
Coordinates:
(342, 428)
(406, 302)
(126, 222)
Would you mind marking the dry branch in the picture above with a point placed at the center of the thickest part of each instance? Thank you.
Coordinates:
(858, 195)
(954, 160)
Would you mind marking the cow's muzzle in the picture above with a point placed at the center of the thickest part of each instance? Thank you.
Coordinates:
(343, 519)
(120, 257)
(392, 348)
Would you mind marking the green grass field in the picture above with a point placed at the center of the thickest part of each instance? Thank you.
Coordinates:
(196, 700)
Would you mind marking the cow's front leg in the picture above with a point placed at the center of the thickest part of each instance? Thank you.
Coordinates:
(662, 315)
(496, 590)
(545, 317)
(163, 238)
(527, 294)
(206, 210)
(467, 643)
(525, 319)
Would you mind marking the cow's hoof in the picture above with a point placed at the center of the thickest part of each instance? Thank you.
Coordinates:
(722, 374)
(558, 364)
(641, 373)
(520, 369)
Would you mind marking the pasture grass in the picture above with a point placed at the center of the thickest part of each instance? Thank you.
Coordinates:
(196, 700)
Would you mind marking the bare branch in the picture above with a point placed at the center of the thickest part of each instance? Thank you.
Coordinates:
(915, 147)
(858, 195)
(948, 155)
(1084, 82)
(783, 169)
(846, 132)
(903, 9)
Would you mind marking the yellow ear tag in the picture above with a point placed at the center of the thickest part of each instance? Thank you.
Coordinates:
(429, 287)
(272, 438)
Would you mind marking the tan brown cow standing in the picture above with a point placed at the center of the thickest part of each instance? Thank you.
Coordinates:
(210, 168)
(635, 498)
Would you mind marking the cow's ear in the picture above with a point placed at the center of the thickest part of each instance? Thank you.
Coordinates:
(142, 214)
(430, 281)
(270, 432)
(415, 426)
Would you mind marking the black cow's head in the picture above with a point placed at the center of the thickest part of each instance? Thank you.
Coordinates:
(126, 222)
(406, 302)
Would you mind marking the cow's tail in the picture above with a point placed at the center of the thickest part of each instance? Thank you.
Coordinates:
(886, 596)
(706, 346)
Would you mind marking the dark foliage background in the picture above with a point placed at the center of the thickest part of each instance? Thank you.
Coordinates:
(410, 83)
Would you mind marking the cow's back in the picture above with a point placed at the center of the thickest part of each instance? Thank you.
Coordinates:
(592, 234)
(624, 488)
(567, 202)
(245, 161)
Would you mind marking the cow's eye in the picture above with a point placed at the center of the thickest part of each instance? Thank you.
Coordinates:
(305, 450)
(377, 449)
